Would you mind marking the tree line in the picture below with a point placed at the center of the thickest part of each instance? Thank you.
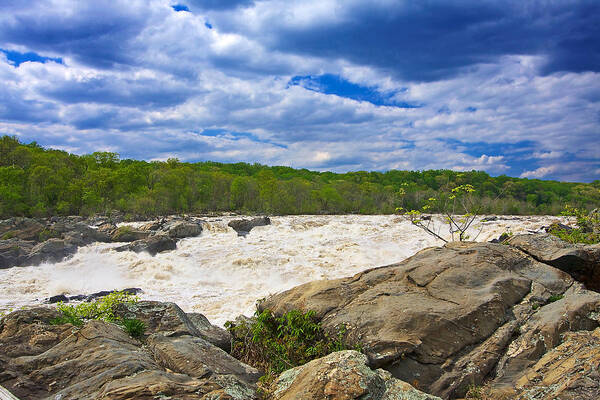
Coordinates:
(35, 181)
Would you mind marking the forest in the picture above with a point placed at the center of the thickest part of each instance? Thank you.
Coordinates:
(40, 182)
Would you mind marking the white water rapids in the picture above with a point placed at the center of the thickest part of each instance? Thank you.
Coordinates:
(222, 275)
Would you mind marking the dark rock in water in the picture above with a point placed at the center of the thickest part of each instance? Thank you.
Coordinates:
(153, 244)
(14, 252)
(58, 298)
(182, 229)
(582, 262)
(90, 297)
(490, 218)
(52, 250)
(501, 238)
(452, 317)
(244, 226)
(128, 234)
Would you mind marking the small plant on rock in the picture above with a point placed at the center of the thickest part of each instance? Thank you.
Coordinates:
(275, 344)
(101, 309)
(587, 230)
(134, 327)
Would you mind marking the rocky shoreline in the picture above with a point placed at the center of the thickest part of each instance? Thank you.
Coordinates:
(518, 319)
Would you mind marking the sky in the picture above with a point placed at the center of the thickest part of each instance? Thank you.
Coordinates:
(507, 87)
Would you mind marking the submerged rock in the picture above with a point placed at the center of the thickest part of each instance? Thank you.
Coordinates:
(451, 317)
(244, 226)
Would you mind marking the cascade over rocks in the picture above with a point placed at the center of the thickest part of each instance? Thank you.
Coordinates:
(450, 317)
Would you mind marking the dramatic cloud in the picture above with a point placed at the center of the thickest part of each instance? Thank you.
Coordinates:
(506, 87)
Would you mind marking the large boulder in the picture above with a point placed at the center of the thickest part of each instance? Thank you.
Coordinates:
(182, 229)
(580, 261)
(14, 252)
(446, 318)
(101, 361)
(128, 234)
(153, 245)
(52, 250)
(342, 375)
(244, 226)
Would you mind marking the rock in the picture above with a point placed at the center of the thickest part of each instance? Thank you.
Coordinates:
(20, 228)
(211, 333)
(153, 245)
(568, 371)
(501, 238)
(164, 318)
(28, 332)
(444, 315)
(244, 226)
(151, 226)
(58, 298)
(580, 261)
(343, 375)
(182, 229)
(100, 361)
(14, 252)
(127, 234)
(197, 358)
(107, 228)
(52, 250)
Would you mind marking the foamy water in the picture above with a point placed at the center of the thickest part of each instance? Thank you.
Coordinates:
(222, 275)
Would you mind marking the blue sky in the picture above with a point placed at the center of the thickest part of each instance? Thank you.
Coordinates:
(508, 87)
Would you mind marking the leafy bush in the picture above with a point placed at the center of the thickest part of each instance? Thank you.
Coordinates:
(102, 309)
(46, 234)
(459, 211)
(275, 344)
(134, 327)
(588, 227)
(555, 297)
(8, 235)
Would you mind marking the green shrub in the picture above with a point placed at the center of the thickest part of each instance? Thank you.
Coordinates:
(134, 327)
(275, 344)
(102, 309)
(46, 234)
(588, 227)
(8, 235)
(555, 297)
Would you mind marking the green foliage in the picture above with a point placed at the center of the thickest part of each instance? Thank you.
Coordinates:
(102, 309)
(555, 297)
(41, 182)
(587, 230)
(275, 344)
(46, 234)
(134, 327)
(8, 235)
(459, 211)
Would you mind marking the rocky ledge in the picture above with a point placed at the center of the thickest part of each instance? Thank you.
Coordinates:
(517, 318)
(471, 314)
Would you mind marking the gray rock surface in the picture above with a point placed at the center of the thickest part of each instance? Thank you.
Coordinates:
(343, 375)
(450, 317)
(244, 226)
(100, 361)
(152, 244)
